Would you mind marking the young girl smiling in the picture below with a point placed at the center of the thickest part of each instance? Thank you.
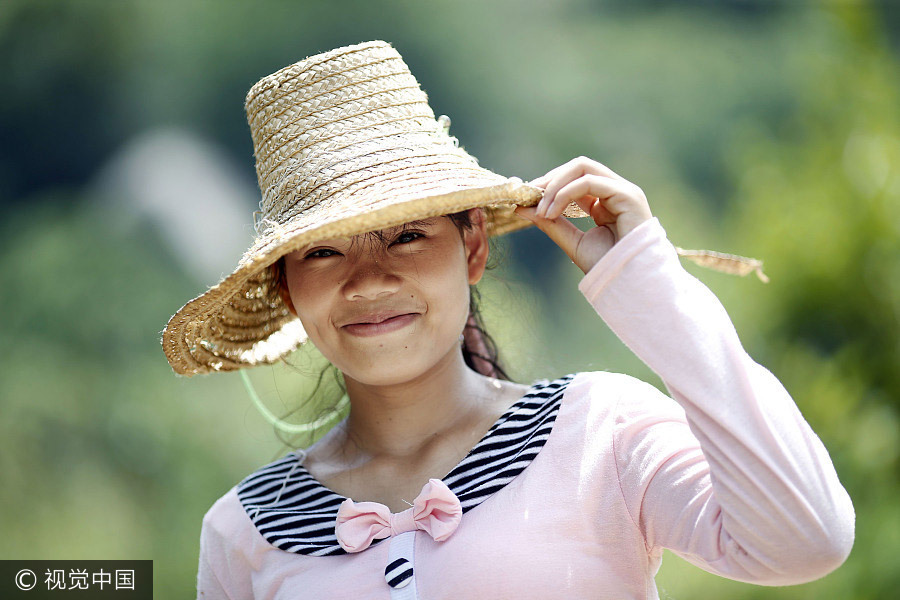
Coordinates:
(388, 313)
(446, 480)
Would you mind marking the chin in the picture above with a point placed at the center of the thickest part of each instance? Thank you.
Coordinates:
(382, 379)
(392, 366)
(395, 358)
(390, 369)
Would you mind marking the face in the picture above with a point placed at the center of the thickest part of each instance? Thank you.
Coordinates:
(385, 311)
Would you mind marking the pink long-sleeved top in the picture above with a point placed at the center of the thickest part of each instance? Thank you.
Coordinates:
(577, 489)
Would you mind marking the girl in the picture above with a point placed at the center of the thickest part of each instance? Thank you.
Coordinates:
(447, 480)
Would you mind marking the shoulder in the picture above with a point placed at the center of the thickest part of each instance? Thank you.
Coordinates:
(231, 525)
(230, 548)
(625, 415)
(228, 515)
(609, 385)
(225, 517)
(618, 396)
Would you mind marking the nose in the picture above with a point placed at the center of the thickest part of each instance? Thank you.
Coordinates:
(370, 279)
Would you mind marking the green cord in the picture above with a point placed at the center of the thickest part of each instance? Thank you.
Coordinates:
(292, 427)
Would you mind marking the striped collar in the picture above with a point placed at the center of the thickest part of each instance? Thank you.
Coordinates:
(293, 511)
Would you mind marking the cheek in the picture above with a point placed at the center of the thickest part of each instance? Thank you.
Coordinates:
(310, 311)
(452, 299)
(308, 303)
(308, 318)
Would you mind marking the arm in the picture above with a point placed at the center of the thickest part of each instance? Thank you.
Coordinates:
(742, 487)
(732, 477)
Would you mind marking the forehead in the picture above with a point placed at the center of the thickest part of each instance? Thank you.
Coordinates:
(388, 232)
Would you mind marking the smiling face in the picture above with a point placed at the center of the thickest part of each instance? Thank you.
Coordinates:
(386, 308)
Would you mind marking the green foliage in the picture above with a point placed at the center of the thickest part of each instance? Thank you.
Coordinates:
(822, 203)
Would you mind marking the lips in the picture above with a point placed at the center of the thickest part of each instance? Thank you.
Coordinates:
(376, 317)
(377, 323)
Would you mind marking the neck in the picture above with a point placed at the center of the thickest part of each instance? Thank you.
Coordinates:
(399, 421)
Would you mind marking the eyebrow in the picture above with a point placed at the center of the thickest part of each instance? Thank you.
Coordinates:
(404, 226)
(381, 233)
(416, 223)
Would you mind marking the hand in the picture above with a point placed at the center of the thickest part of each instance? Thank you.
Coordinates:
(616, 205)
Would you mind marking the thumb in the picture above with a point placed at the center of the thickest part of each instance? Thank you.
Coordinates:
(561, 230)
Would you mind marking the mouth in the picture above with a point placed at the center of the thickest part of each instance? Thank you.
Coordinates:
(380, 323)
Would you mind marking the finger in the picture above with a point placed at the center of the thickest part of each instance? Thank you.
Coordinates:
(565, 174)
(541, 181)
(526, 212)
(544, 179)
(583, 164)
(570, 171)
(563, 233)
(601, 215)
(582, 191)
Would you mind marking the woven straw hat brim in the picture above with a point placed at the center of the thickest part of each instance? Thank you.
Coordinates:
(242, 321)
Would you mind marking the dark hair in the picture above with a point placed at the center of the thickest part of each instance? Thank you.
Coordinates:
(479, 348)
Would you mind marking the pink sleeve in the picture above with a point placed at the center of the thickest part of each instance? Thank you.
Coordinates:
(732, 478)
(224, 569)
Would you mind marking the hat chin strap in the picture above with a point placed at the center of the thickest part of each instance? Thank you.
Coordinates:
(292, 427)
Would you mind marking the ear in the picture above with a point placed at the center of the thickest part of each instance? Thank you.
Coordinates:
(286, 298)
(476, 242)
(285, 294)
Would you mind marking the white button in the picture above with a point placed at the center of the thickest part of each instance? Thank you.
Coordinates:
(399, 573)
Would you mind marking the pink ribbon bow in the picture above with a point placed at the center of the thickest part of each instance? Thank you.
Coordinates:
(435, 510)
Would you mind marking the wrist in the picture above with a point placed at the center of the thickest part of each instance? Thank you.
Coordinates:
(627, 223)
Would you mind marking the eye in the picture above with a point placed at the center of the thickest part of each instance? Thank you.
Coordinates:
(408, 236)
(322, 253)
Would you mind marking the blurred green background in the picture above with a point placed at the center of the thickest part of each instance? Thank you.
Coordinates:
(769, 129)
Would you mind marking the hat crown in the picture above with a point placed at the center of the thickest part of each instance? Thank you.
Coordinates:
(332, 125)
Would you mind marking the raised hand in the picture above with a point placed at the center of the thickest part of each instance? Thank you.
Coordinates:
(616, 205)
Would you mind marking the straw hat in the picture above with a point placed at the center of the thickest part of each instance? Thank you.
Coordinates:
(345, 143)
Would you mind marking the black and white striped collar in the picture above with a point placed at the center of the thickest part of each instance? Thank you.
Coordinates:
(293, 511)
